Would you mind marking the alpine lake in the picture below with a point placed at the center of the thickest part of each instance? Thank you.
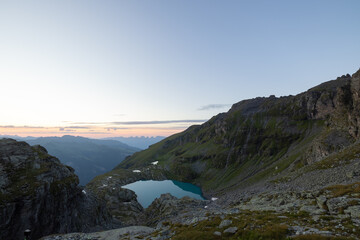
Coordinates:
(147, 191)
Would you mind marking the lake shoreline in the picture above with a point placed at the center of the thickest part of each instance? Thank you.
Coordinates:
(148, 190)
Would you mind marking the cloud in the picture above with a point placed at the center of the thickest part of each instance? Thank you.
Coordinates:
(78, 127)
(29, 127)
(158, 122)
(115, 128)
(89, 123)
(64, 129)
(7, 126)
(62, 132)
(144, 122)
(213, 106)
(72, 128)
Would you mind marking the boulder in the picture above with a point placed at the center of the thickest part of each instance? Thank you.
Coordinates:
(321, 201)
(225, 223)
(217, 233)
(231, 230)
(354, 211)
(168, 206)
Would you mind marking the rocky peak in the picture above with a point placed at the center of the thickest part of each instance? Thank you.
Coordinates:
(25, 168)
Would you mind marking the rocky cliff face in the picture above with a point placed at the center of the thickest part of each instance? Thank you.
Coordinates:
(262, 137)
(39, 193)
(121, 202)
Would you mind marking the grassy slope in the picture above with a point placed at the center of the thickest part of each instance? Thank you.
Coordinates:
(255, 140)
(223, 166)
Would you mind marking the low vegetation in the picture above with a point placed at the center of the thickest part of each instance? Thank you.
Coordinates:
(341, 190)
(259, 225)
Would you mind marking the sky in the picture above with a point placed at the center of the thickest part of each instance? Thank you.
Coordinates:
(148, 68)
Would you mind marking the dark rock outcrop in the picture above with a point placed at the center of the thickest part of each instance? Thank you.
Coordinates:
(168, 207)
(120, 202)
(39, 193)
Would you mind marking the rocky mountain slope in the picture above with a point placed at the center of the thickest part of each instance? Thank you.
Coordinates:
(39, 193)
(261, 139)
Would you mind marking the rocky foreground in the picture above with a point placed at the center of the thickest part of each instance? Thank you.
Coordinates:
(332, 212)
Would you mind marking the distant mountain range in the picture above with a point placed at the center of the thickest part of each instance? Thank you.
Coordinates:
(139, 142)
(89, 157)
(16, 137)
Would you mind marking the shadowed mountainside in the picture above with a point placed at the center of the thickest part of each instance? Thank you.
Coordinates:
(260, 138)
(40, 193)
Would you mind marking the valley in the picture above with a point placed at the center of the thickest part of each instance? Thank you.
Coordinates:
(180, 120)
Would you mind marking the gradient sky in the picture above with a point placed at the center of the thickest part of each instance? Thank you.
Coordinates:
(127, 68)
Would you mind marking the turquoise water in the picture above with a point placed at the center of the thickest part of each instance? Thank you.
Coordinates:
(147, 191)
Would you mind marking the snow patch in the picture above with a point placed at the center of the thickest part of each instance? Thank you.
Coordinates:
(214, 199)
(136, 171)
(206, 207)
(155, 163)
(83, 191)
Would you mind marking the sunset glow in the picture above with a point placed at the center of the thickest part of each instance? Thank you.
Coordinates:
(89, 131)
(122, 63)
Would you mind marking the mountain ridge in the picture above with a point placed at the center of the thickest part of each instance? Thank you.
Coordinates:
(241, 146)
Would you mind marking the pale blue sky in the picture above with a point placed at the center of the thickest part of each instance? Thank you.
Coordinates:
(65, 62)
